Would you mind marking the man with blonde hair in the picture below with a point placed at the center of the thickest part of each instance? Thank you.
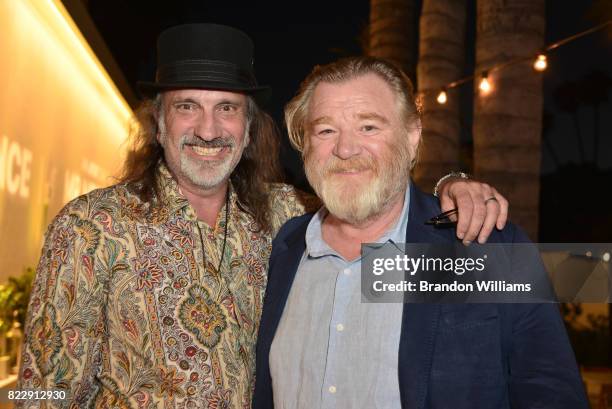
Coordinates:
(319, 344)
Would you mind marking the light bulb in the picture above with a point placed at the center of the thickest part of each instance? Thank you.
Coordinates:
(442, 97)
(540, 63)
(485, 85)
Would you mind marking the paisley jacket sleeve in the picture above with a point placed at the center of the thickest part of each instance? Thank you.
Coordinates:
(64, 331)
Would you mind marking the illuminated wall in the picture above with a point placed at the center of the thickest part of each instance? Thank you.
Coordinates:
(63, 124)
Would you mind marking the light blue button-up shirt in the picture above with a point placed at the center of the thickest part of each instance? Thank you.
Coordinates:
(330, 349)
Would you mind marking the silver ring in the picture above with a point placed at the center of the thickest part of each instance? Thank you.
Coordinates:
(491, 198)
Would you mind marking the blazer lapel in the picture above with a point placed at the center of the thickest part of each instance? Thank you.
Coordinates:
(285, 258)
(419, 321)
(280, 278)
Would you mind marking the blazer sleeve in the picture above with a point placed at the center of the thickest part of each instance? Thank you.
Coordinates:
(542, 368)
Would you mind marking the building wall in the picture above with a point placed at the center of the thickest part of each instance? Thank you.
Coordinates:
(63, 124)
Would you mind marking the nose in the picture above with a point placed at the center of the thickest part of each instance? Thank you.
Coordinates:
(346, 145)
(207, 126)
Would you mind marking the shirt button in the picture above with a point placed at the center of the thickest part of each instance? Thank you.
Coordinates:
(347, 271)
(340, 327)
(332, 389)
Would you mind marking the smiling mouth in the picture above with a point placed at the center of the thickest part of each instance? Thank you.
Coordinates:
(202, 151)
(208, 152)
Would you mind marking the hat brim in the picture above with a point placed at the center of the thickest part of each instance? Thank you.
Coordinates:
(147, 89)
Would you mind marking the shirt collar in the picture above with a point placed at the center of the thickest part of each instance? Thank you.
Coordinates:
(169, 190)
(317, 247)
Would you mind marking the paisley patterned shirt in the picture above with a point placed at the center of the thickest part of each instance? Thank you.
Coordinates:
(128, 309)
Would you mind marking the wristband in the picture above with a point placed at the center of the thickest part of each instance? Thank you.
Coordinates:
(461, 175)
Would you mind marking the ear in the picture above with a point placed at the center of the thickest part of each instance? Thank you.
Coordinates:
(414, 139)
(305, 145)
(160, 125)
(247, 131)
(247, 138)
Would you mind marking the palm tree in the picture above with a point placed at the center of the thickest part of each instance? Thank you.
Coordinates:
(508, 121)
(441, 59)
(392, 32)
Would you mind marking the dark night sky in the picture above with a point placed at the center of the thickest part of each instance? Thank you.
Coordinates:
(573, 62)
(290, 37)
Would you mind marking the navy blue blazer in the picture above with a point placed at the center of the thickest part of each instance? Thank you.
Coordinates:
(450, 355)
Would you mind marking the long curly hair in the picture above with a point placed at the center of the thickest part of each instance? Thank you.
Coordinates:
(258, 167)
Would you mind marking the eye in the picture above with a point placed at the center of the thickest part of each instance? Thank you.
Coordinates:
(325, 132)
(369, 128)
(185, 107)
(228, 108)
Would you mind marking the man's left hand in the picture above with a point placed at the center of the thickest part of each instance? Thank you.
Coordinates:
(480, 208)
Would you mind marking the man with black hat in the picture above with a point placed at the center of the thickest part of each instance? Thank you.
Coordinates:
(149, 292)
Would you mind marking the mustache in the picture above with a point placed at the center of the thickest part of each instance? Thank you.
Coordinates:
(335, 165)
(218, 142)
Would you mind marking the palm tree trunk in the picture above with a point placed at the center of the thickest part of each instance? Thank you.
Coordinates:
(441, 59)
(392, 32)
(508, 121)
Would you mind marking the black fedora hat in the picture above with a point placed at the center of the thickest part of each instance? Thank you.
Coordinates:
(204, 56)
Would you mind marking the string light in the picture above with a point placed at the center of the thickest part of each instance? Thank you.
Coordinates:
(485, 85)
(540, 63)
(442, 97)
